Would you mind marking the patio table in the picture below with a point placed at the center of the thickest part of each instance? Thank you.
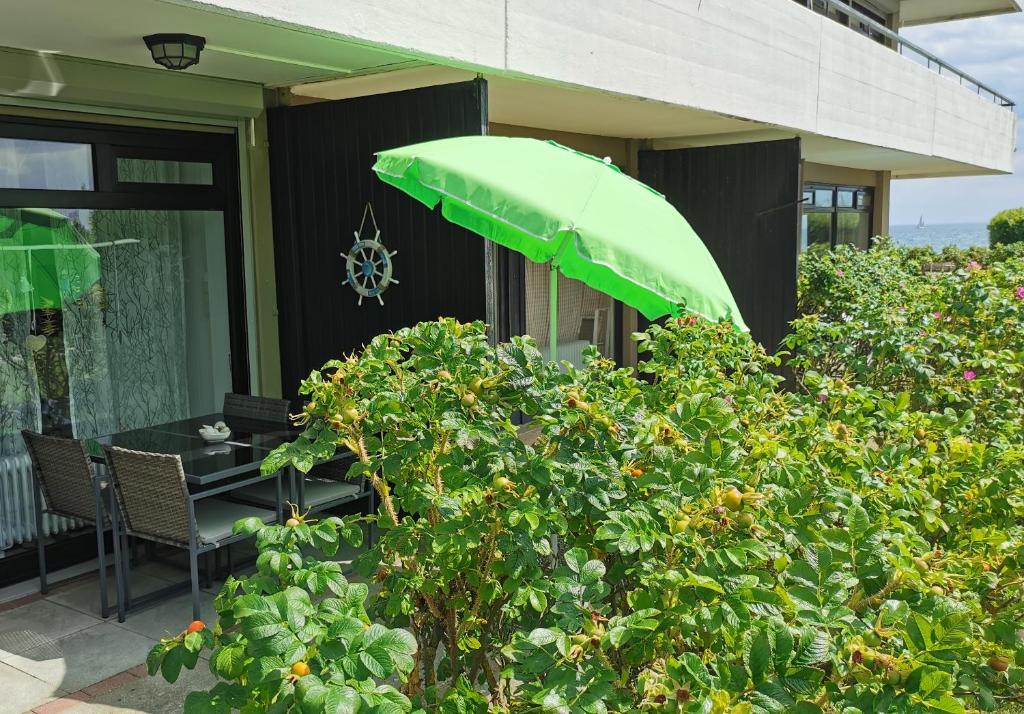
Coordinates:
(210, 468)
(261, 436)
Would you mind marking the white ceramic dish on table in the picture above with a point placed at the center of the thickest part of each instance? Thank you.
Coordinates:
(215, 434)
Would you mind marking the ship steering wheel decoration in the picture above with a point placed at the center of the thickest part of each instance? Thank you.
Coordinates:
(368, 262)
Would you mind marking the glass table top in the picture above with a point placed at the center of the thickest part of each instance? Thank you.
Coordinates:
(203, 462)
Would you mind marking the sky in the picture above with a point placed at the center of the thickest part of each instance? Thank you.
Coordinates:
(990, 49)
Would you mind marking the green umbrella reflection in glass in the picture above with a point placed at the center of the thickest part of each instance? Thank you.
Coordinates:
(43, 262)
(574, 211)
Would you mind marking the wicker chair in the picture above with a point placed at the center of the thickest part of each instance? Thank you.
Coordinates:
(258, 408)
(155, 505)
(66, 485)
(326, 486)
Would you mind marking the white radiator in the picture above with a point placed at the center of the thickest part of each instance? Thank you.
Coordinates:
(17, 512)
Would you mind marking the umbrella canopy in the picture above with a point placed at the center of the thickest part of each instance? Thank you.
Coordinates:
(42, 262)
(579, 213)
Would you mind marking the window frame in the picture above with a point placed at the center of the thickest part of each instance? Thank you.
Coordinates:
(835, 209)
(111, 141)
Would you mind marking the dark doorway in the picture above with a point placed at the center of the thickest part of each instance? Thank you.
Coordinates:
(321, 179)
(743, 200)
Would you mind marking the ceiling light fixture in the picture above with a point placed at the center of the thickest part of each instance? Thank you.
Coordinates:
(175, 50)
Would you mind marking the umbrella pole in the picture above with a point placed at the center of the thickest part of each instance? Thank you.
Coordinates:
(553, 314)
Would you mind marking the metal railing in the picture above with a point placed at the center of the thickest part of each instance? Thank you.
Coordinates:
(874, 29)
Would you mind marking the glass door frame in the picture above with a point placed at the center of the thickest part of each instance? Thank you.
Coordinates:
(110, 142)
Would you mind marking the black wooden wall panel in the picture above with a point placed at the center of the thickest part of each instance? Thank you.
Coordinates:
(743, 201)
(320, 159)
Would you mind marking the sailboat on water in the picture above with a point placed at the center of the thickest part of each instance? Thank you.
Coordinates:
(920, 223)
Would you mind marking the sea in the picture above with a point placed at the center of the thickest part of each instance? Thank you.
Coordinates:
(938, 236)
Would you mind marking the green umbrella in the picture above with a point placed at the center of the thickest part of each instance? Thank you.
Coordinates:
(574, 211)
(42, 261)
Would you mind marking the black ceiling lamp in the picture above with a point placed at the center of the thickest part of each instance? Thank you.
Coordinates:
(175, 50)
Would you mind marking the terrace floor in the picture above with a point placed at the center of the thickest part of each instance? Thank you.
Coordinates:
(58, 655)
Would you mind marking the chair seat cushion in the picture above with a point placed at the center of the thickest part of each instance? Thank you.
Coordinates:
(319, 491)
(216, 518)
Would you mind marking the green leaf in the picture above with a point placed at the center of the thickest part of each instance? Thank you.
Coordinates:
(696, 669)
(229, 661)
(756, 654)
(782, 644)
(341, 700)
(538, 600)
(541, 637)
(205, 703)
(399, 644)
(170, 668)
(946, 704)
(576, 558)
(194, 641)
(858, 521)
(813, 649)
(155, 657)
(592, 572)
(276, 460)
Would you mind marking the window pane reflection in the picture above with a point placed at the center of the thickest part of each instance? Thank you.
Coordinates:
(817, 229)
(823, 197)
(854, 229)
(53, 165)
(196, 173)
(110, 320)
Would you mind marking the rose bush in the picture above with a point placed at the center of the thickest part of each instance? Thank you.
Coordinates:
(294, 636)
(690, 536)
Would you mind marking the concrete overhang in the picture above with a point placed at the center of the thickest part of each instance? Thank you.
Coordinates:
(923, 12)
(771, 62)
(644, 69)
(565, 109)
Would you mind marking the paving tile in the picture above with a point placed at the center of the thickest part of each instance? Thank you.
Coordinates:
(139, 670)
(20, 692)
(163, 569)
(39, 624)
(84, 595)
(148, 695)
(20, 602)
(168, 618)
(85, 657)
(60, 704)
(109, 684)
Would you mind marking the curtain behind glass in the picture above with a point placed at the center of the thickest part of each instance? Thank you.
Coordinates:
(19, 389)
(584, 314)
(125, 338)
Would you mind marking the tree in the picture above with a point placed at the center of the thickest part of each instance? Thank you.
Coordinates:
(1006, 227)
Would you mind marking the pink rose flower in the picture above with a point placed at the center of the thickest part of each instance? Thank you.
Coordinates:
(1020, 292)
(937, 315)
(822, 397)
(972, 266)
(840, 273)
(969, 375)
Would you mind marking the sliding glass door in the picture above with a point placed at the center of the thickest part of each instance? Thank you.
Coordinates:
(121, 300)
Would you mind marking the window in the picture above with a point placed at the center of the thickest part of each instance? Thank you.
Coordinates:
(121, 298)
(871, 11)
(834, 215)
(53, 165)
(584, 315)
(197, 173)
